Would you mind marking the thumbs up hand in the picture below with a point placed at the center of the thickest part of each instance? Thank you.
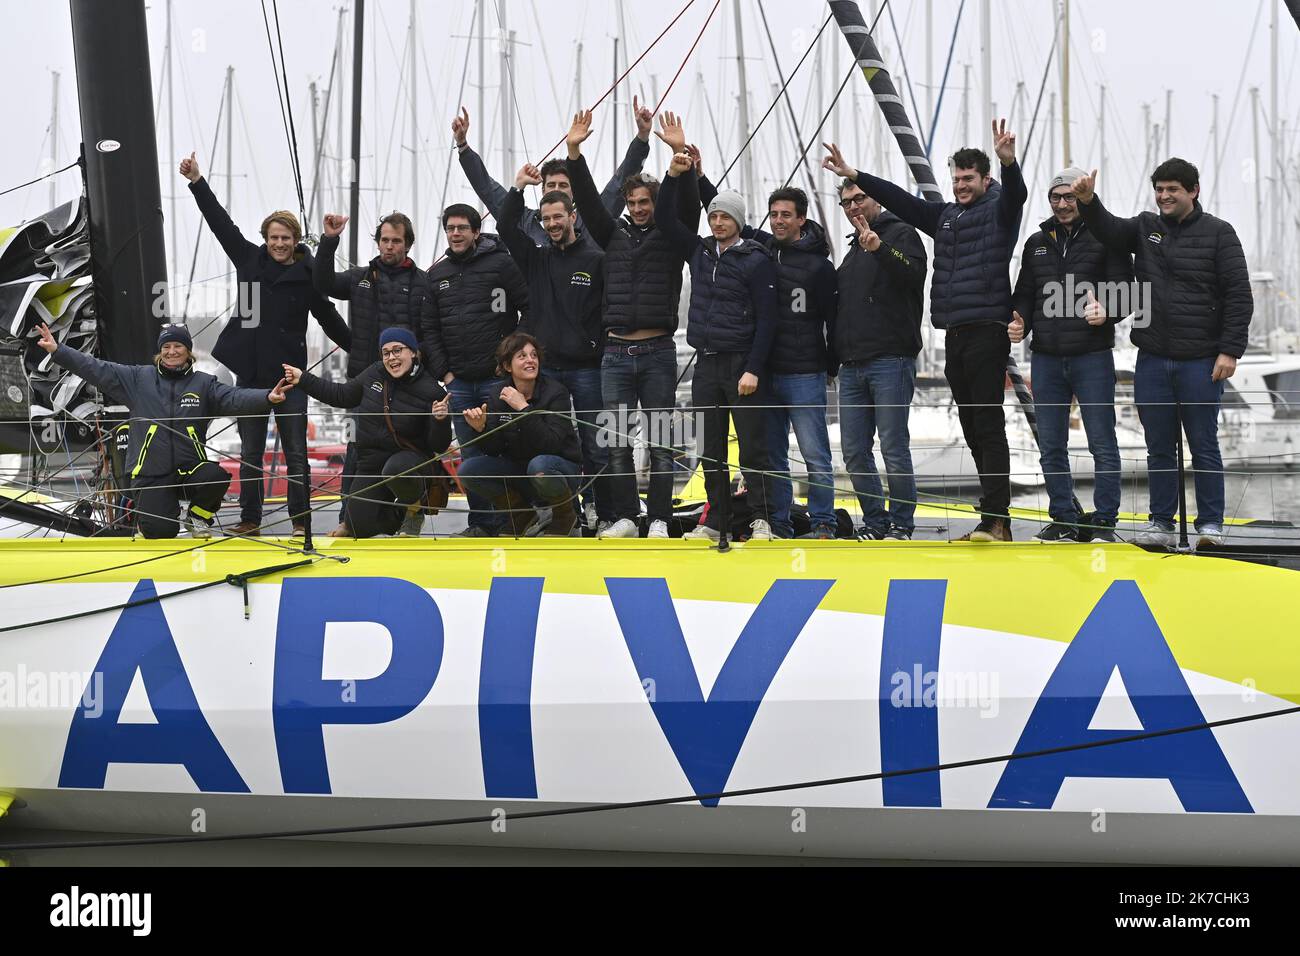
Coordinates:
(1093, 312)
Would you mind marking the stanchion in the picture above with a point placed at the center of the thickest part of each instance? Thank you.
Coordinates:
(1183, 544)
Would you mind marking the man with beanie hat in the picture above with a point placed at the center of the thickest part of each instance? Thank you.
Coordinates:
(1067, 280)
(171, 406)
(731, 324)
(970, 299)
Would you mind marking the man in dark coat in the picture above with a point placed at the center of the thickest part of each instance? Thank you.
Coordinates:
(267, 327)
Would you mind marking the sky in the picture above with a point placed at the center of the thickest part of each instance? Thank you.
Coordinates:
(1139, 51)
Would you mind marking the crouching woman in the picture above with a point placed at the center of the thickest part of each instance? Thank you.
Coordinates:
(531, 456)
(403, 427)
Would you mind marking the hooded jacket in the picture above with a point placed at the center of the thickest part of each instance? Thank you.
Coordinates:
(565, 290)
(477, 299)
(269, 324)
(170, 410)
(881, 294)
(807, 294)
(1058, 261)
(1201, 303)
(380, 295)
(407, 402)
(972, 245)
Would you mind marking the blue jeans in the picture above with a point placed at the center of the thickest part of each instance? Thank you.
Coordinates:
(801, 401)
(876, 396)
(649, 380)
(467, 393)
(1157, 384)
(588, 402)
(1091, 379)
(545, 480)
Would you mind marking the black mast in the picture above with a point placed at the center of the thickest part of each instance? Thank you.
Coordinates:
(120, 155)
(354, 205)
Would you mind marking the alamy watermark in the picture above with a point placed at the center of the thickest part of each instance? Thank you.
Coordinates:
(1119, 300)
(24, 689)
(949, 689)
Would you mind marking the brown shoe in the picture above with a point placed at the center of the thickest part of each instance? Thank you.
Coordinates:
(342, 531)
(246, 529)
(991, 529)
(563, 518)
(299, 529)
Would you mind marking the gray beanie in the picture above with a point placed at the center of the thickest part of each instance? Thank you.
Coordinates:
(1065, 177)
(730, 203)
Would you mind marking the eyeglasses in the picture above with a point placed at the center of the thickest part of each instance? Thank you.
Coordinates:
(459, 227)
(394, 352)
(859, 200)
(1061, 199)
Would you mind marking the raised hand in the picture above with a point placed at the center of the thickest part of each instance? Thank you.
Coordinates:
(867, 237)
(46, 341)
(1093, 313)
(671, 131)
(694, 152)
(836, 164)
(645, 120)
(578, 132)
(277, 394)
(476, 418)
(1085, 187)
(460, 126)
(441, 407)
(528, 175)
(1016, 328)
(1004, 143)
(681, 162)
(291, 375)
(334, 224)
(190, 168)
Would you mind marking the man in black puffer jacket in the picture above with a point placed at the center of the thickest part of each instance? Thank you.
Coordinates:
(1070, 293)
(566, 278)
(732, 323)
(802, 357)
(1194, 328)
(877, 339)
(267, 328)
(388, 291)
(643, 286)
(403, 429)
(970, 299)
(478, 295)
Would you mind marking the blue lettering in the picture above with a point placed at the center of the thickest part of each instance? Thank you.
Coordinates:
(1120, 632)
(909, 728)
(505, 687)
(706, 736)
(141, 640)
(303, 703)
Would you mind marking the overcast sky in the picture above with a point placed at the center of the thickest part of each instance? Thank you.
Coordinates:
(1195, 48)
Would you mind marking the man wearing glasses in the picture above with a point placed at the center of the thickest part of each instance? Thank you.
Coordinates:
(478, 296)
(877, 339)
(1067, 279)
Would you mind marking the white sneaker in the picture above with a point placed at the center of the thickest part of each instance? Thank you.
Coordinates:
(197, 527)
(1157, 534)
(658, 529)
(702, 531)
(622, 528)
(589, 518)
(1209, 533)
(760, 530)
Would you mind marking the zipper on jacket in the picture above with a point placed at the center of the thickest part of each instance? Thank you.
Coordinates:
(144, 450)
(198, 445)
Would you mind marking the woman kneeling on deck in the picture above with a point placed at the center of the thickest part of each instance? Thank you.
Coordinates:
(532, 458)
(403, 427)
(171, 404)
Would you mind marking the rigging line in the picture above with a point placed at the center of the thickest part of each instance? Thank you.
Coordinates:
(293, 132)
(943, 84)
(740, 152)
(687, 58)
(1047, 70)
(907, 78)
(1236, 99)
(320, 147)
(614, 86)
(590, 808)
(279, 92)
(194, 258)
(794, 125)
(38, 179)
(460, 97)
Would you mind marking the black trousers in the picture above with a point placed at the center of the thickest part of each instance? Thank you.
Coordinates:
(291, 424)
(976, 369)
(715, 395)
(158, 500)
(382, 490)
